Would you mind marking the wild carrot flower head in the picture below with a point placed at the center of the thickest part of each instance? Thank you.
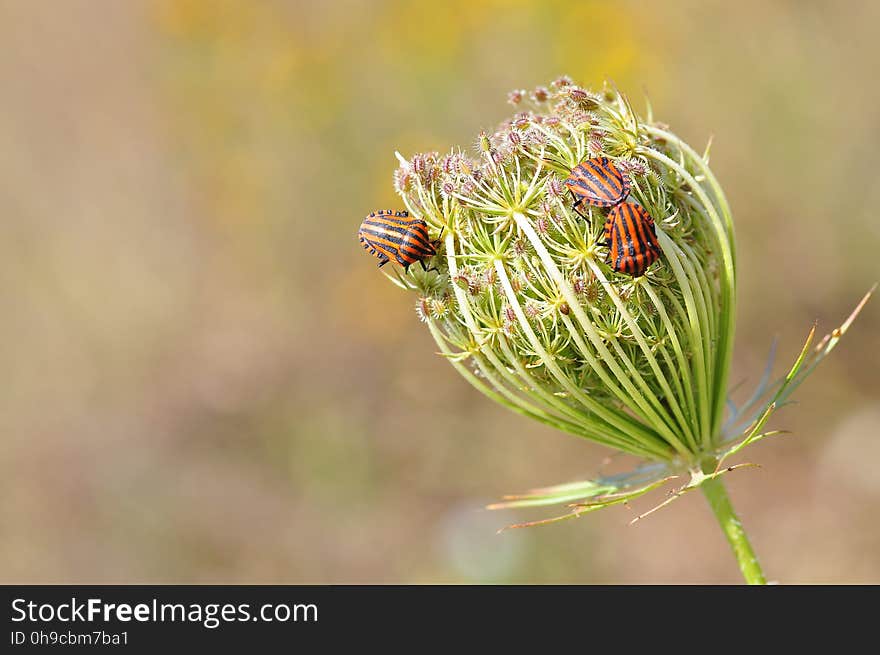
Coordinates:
(525, 307)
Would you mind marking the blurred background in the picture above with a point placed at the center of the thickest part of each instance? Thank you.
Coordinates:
(205, 379)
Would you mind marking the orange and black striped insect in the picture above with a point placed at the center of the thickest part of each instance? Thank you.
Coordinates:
(597, 182)
(394, 235)
(631, 239)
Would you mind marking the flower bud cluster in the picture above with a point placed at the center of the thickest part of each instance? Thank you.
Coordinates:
(523, 301)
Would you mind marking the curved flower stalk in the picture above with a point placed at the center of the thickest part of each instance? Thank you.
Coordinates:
(524, 306)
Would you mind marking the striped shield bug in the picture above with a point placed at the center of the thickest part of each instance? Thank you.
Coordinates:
(597, 182)
(394, 235)
(631, 239)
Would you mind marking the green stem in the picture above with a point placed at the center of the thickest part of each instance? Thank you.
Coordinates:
(719, 501)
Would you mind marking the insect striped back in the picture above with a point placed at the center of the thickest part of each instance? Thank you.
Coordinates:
(631, 239)
(598, 182)
(394, 235)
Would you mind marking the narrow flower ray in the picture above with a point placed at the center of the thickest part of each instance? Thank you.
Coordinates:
(620, 421)
(585, 324)
(683, 425)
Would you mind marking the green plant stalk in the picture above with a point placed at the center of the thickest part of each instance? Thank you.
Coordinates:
(719, 501)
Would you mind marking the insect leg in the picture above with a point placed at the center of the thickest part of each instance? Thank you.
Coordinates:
(578, 201)
(426, 269)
